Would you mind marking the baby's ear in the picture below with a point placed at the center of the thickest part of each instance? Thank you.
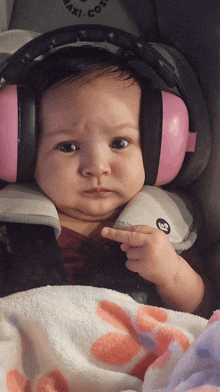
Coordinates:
(175, 214)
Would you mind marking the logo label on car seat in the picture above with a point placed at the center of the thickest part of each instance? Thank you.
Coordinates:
(163, 225)
(85, 8)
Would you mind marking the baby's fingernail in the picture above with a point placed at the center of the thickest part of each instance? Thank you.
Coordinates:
(123, 247)
(105, 231)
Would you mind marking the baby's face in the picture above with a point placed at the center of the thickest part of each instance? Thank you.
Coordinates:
(90, 139)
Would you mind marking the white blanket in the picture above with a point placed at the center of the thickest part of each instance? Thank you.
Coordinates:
(73, 338)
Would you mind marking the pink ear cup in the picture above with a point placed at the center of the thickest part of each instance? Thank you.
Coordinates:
(176, 138)
(8, 133)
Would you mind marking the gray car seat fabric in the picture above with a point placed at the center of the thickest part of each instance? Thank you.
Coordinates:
(28, 204)
(11, 40)
(42, 16)
(6, 8)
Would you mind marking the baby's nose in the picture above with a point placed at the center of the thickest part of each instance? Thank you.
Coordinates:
(95, 164)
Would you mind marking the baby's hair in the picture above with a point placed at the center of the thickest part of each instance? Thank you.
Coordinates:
(72, 63)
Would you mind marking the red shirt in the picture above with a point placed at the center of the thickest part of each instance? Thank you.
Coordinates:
(80, 252)
(71, 244)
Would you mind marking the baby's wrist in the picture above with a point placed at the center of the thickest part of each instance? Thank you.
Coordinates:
(171, 278)
(185, 291)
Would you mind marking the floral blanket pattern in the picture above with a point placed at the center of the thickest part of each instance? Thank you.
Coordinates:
(74, 338)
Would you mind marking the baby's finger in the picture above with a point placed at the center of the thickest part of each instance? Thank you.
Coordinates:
(134, 252)
(124, 247)
(133, 265)
(128, 236)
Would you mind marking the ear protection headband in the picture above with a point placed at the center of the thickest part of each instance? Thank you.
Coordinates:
(174, 123)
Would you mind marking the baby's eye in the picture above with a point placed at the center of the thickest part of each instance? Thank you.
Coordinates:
(67, 147)
(120, 143)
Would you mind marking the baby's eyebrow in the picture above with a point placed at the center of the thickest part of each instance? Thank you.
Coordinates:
(122, 126)
(69, 132)
(58, 132)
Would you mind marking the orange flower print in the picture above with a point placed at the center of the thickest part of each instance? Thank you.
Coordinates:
(150, 317)
(50, 382)
(118, 348)
(16, 382)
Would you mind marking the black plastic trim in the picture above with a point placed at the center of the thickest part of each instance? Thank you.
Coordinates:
(151, 121)
(26, 134)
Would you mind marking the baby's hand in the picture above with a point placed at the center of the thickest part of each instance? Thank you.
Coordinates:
(149, 252)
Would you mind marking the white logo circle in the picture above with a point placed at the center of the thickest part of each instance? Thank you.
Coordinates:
(163, 225)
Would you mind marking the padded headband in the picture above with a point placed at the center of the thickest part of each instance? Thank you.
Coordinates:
(17, 63)
(166, 68)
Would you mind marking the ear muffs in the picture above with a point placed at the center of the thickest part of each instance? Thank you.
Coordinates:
(174, 122)
(164, 125)
(176, 139)
(17, 134)
(196, 150)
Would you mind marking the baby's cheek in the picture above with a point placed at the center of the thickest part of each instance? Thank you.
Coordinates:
(46, 176)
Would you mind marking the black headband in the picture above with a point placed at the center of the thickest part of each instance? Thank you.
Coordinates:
(130, 45)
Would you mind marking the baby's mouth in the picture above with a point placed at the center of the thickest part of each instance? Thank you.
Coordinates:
(98, 190)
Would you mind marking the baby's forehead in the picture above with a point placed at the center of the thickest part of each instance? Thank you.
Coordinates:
(93, 86)
(104, 103)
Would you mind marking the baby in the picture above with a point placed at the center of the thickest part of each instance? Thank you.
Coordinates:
(89, 163)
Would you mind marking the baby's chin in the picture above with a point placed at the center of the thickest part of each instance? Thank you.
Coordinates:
(90, 216)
